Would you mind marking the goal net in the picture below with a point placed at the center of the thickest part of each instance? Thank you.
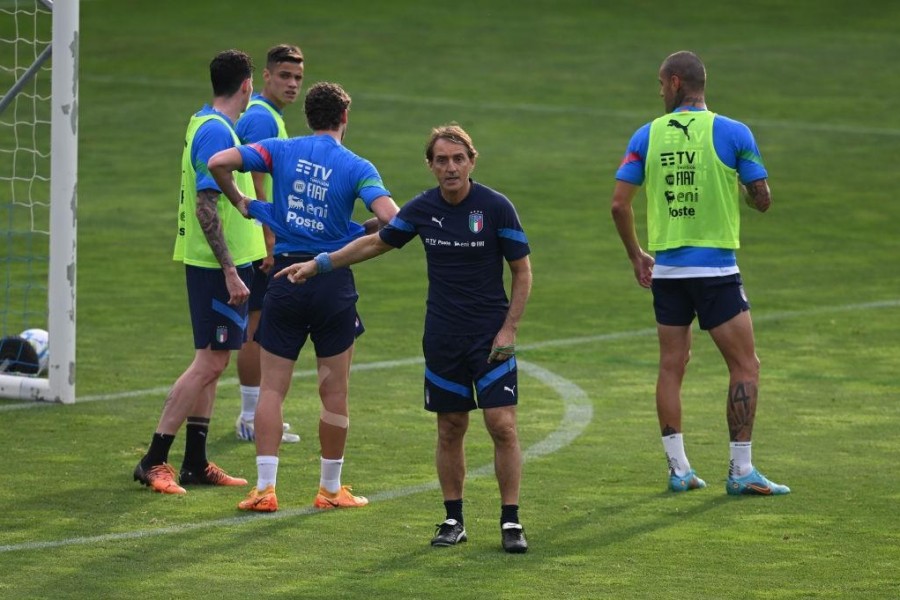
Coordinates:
(38, 168)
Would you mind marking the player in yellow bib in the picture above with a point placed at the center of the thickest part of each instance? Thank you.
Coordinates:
(217, 246)
(697, 165)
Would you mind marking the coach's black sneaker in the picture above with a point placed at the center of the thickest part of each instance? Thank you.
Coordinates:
(449, 533)
(513, 537)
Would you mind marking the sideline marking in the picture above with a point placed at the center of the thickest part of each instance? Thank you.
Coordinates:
(389, 364)
(577, 415)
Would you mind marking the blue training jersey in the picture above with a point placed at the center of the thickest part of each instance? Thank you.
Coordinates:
(465, 245)
(210, 138)
(737, 149)
(257, 123)
(316, 182)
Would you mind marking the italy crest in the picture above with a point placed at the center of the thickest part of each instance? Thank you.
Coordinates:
(476, 221)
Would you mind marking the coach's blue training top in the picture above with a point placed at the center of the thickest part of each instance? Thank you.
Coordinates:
(465, 245)
(257, 123)
(316, 181)
(736, 148)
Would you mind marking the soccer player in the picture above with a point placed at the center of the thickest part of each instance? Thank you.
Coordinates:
(264, 119)
(468, 230)
(697, 166)
(316, 181)
(217, 275)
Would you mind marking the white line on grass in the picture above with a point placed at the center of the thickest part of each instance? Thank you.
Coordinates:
(578, 413)
(390, 364)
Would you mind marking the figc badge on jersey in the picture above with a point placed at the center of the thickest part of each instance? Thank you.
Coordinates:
(476, 221)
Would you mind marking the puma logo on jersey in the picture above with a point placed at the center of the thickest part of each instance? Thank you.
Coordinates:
(684, 128)
(511, 390)
(439, 221)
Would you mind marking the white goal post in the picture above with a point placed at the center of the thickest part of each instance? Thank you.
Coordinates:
(59, 384)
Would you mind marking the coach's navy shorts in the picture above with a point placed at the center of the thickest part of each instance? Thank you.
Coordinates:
(714, 300)
(216, 323)
(323, 308)
(257, 287)
(454, 364)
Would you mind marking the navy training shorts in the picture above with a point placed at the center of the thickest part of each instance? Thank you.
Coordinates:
(455, 364)
(216, 324)
(257, 286)
(323, 309)
(714, 300)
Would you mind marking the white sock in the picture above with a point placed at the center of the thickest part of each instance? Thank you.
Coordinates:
(674, 447)
(740, 465)
(266, 471)
(330, 478)
(249, 398)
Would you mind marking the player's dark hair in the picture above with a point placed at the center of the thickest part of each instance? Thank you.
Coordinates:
(228, 70)
(324, 105)
(283, 53)
(452, 133)
(688, 67)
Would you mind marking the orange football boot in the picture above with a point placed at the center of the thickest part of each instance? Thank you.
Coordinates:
(341, 499)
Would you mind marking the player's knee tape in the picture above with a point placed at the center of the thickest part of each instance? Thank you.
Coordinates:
(334, 419)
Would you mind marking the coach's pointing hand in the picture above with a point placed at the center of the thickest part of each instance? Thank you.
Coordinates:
(299, 272)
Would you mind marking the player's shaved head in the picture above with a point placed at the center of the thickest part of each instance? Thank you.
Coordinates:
(688, 67)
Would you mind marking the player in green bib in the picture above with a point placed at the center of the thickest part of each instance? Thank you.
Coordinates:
(217, 246)
(696, 165)
(263, 119)
(684, 168)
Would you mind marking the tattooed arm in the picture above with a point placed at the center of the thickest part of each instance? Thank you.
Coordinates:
(756, 194)
(208, 216)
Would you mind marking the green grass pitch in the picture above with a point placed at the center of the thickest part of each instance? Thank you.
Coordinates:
(551, 92)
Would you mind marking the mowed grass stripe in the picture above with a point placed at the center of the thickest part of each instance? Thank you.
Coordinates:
(819, 127)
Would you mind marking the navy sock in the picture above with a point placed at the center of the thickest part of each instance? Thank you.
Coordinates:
(159, 450)
(195, 443)
(454, 509)
(509, 513)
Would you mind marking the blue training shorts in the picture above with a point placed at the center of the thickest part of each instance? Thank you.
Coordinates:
(323, 309)
(216, 324)
(714, 300)
(455, 364)
(257, 287)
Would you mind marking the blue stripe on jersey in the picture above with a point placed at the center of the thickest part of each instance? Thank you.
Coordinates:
(223, 309)
(513, 234)
(495, 374)
(694, 256)
(402, 225)
(445, 384)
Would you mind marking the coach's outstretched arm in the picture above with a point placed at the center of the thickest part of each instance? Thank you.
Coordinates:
(222, 166)
(356, 251)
